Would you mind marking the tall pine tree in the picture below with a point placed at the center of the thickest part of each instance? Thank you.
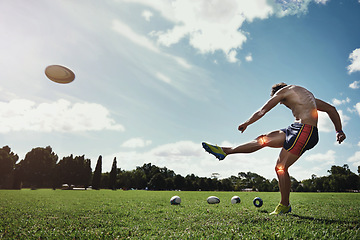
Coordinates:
(113, 173)
(97, 175)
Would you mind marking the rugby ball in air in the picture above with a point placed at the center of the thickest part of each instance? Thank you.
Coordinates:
(258, 202)
(175, 200)
(213, 200)
(59, 74)
(235, 199)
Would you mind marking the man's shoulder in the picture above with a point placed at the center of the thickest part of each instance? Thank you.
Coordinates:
(292, 89)
(286, 90)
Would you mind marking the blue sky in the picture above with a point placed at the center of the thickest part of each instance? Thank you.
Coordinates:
(156, 78)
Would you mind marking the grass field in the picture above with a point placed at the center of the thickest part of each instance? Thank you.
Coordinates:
(106, 214)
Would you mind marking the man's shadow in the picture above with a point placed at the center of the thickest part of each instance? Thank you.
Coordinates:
(318, 220)
(324, 220)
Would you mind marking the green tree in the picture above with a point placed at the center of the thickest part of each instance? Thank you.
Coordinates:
(157, 182)
(7, 163)
(203, 184)
(294, 184)
(85, 170)
(254, 181)
(74, 171)
(38, 167)
(169, 183)
(342, 179)
(274, 185)
(139, 178)
(105, 180)
(179, 182)
(17, 183)
(227, 185)
(96, 182)
(191, 183)
(125, 179)
(112, 177)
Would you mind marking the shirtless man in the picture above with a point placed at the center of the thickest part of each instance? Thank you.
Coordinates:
(300, 136)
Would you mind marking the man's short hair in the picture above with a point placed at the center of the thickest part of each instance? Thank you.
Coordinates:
(277, 87)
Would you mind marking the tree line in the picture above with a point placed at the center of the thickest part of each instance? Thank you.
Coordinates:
(41, 168)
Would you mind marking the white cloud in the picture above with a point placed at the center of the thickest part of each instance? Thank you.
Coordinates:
(124, 30)
(321, 1)
(177, 156)
(355, 159)
(6, 95)
(357, 107)
(354, 58)
(163, 78)
(136, 143)
(231, 56)
(355, 85)
(344, 118)
(147, 15)
(284, 8)
(358, 144)
(136, 38)
(325, 124)
(177, 151)
(249, 58)
(350, 110)
(325, 158)
(181, 61)
(61, 116)
(209, 26)
(338, 102)
(216, 25)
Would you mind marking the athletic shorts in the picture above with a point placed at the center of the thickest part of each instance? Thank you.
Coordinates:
(300, 137)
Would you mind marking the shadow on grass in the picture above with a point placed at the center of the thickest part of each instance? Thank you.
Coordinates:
(351, 223)
(313, 219)
(324, 220)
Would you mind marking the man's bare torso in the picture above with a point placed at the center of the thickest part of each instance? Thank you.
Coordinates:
(301, 102)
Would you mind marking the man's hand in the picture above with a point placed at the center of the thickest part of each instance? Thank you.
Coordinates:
(340, 136)
(242, 127)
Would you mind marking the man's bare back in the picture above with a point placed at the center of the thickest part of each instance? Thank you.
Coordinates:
(301, 102)
(303, 105)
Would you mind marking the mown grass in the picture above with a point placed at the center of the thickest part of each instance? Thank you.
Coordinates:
(106, 214)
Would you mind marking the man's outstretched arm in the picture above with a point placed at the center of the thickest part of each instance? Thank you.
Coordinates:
(334, 117)
(260, 113)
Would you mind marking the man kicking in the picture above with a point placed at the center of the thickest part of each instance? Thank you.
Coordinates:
(294, 140)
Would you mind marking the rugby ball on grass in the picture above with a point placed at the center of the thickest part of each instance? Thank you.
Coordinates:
(175, 200)
(235, 199)
(213, 200)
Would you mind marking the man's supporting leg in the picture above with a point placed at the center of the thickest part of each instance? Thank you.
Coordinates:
(285, 160)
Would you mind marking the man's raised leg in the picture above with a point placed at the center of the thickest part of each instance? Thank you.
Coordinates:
(273, 139)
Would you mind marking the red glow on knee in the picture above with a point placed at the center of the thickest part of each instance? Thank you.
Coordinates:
(280, 170)
(262, 140)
